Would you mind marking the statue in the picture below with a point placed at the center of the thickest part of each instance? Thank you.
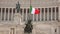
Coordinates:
(29, 27)
(18, 7)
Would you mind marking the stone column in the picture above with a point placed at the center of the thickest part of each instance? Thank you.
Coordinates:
(15, 10)
(8, 13)
(26, 14)
(12, 14)
(59, 14)
(40, 14)
(12, 31)
(55, 13)
(44, 14)
(1, 13)
(33, 17)
(5, 14)
(51, 14)
(22, 14)
(36, 17)
(47, 14)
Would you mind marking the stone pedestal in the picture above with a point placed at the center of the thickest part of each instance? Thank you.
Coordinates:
(17, 18)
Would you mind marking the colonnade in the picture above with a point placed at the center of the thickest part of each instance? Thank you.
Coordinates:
(46, 14)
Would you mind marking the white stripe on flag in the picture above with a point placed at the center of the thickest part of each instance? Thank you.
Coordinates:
(33, 11)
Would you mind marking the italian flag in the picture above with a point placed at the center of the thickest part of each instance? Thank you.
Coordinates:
(34, 10)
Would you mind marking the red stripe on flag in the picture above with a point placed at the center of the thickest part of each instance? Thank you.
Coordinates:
(37, 11)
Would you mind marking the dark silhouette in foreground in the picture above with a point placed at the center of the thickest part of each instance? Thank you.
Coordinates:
(29, 27)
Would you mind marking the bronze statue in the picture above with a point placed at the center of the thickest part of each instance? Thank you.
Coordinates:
(29, 27)
(18, 7)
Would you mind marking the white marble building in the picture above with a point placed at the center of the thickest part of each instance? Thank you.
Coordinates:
(47, 22)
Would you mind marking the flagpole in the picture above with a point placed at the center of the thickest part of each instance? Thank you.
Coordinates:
(30, 13)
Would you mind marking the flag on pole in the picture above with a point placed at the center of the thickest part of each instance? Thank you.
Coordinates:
(34, 10)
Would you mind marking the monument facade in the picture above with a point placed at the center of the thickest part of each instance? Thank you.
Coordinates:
(13, 21)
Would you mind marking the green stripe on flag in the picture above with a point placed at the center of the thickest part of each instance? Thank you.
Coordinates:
(30, 9)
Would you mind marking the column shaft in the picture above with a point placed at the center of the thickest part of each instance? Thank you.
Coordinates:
(1, 13)
(5, 14)
(33, 17)
(51, 14)
(12, 14)
(40, 14)
(59, 13)
(26, 14)
(55, 13)
(8, 13)
(47, 14)
(36, 17)
(12, 31)
(44, 14)
(22, 14)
